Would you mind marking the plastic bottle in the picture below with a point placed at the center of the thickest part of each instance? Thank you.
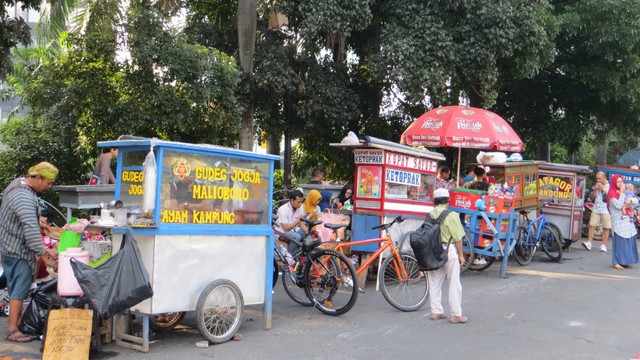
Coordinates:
(287, 255)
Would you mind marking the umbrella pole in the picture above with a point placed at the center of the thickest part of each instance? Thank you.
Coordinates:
(458, 177)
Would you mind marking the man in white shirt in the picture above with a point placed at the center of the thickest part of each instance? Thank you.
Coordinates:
(600, 215)
(289, 216)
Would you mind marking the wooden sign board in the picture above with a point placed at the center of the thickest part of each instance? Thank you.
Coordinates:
(68, 334)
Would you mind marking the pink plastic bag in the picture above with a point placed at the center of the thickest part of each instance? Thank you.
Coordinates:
(328, 217)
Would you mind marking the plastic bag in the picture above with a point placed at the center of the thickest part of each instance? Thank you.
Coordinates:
(329, 217)
(119, 283)
(33, 318)
(149, 182)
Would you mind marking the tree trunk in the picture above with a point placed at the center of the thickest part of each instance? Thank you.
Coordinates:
(246, 131)
(601, 154)
(273, 148)
(287, 160)
(543, 152)
(247, 25)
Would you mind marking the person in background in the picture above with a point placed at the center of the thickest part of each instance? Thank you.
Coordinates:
(316, 176)
(443, 180)
(103, 166)
(310, 205)
(478, 183)
(625, 247)
(470, 176)
(289, 216)
(20, 239)
(181, 195)
(450, 230)
(345, 195)
(325, 201)
(600, 214)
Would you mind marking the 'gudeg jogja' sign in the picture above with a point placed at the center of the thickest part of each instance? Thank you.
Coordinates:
(215, 191)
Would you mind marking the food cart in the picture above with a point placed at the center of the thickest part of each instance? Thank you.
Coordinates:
(391, 180)
(203, 228)
(492, 232)
(563, 186)
(631, 176)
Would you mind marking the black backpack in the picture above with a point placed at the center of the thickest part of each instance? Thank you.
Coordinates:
(426, 244)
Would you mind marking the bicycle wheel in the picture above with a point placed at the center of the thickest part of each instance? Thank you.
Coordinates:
(403, 293)
(551, 244)
(468, 251)
(404, 247)
(165, 321)
(330, 281)
(525, 247)
(481, 262)
(219, 311)
(294, 285)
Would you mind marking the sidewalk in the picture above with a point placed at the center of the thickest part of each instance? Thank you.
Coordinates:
(580, 308)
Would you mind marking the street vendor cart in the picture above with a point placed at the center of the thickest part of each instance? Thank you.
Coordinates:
(199, 214)
(563, 186)
(390, 180)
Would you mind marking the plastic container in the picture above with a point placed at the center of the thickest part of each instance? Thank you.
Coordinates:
(120, 216)
(69, 239)
(67, 283)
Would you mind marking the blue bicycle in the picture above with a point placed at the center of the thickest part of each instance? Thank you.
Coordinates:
(537, 233)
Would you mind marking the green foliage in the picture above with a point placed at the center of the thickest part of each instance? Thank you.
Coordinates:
(169, 88)
(13, 31)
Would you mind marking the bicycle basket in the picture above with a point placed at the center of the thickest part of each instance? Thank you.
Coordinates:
(311, 241)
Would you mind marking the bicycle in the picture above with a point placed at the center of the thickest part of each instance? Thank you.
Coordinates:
(326, 276)
(537, 233)
(402, 284)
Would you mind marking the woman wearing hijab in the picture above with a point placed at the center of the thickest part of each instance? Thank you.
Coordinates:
(310, 205)
(325, 202)
(625, 248)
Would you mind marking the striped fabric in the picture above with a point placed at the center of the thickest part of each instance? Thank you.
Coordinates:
(20, 236)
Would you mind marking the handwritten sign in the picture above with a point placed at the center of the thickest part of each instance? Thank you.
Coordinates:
(68, 334)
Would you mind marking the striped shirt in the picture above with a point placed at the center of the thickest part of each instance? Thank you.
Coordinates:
(621, 224)
(20, 236)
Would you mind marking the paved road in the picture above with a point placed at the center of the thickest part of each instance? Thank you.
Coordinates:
(578, 309)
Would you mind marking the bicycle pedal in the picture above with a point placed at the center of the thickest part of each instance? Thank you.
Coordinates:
(361, 290)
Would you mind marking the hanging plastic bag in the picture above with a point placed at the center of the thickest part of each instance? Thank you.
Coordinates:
(149, 181)
(118, 284)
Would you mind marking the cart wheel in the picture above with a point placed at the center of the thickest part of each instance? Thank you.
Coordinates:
(165, 321)
(219, 311)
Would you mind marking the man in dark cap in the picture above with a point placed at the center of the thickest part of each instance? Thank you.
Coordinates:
(451, 230)
(478, 183)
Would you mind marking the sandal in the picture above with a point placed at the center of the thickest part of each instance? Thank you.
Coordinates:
(18, 337)
(458, 319)
(618, 267)
(438, 316)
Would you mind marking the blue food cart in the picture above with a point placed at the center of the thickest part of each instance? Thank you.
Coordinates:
(200, 215)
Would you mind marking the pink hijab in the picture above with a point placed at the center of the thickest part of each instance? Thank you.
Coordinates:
(614, 192)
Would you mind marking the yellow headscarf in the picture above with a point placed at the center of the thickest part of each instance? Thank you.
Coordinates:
(309, 204)
(44, 169)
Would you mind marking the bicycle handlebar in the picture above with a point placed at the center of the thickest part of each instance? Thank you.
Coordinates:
(526, 212)
(398, 220)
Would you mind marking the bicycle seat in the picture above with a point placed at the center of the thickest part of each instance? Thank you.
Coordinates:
(311, 223)
(335, 226)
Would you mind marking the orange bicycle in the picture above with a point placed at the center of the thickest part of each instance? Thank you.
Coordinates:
(402, 284)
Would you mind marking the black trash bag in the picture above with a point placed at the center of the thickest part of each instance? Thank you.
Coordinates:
(34, 317)
(117, 284)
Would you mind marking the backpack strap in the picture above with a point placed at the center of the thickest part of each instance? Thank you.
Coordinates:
(443, 215)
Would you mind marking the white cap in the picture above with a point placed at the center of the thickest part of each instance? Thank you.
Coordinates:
(441, 193)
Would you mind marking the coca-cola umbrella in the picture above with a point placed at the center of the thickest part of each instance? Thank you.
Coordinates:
(462, 127)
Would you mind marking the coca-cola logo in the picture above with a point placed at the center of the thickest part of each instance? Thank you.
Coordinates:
(432, 124)
(468, 124)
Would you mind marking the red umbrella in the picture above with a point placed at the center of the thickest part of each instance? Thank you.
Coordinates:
(462, 127)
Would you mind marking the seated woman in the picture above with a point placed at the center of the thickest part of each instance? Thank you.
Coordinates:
(344, 196)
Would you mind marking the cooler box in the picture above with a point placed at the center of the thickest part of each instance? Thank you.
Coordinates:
(464, 198)
(486, 240)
